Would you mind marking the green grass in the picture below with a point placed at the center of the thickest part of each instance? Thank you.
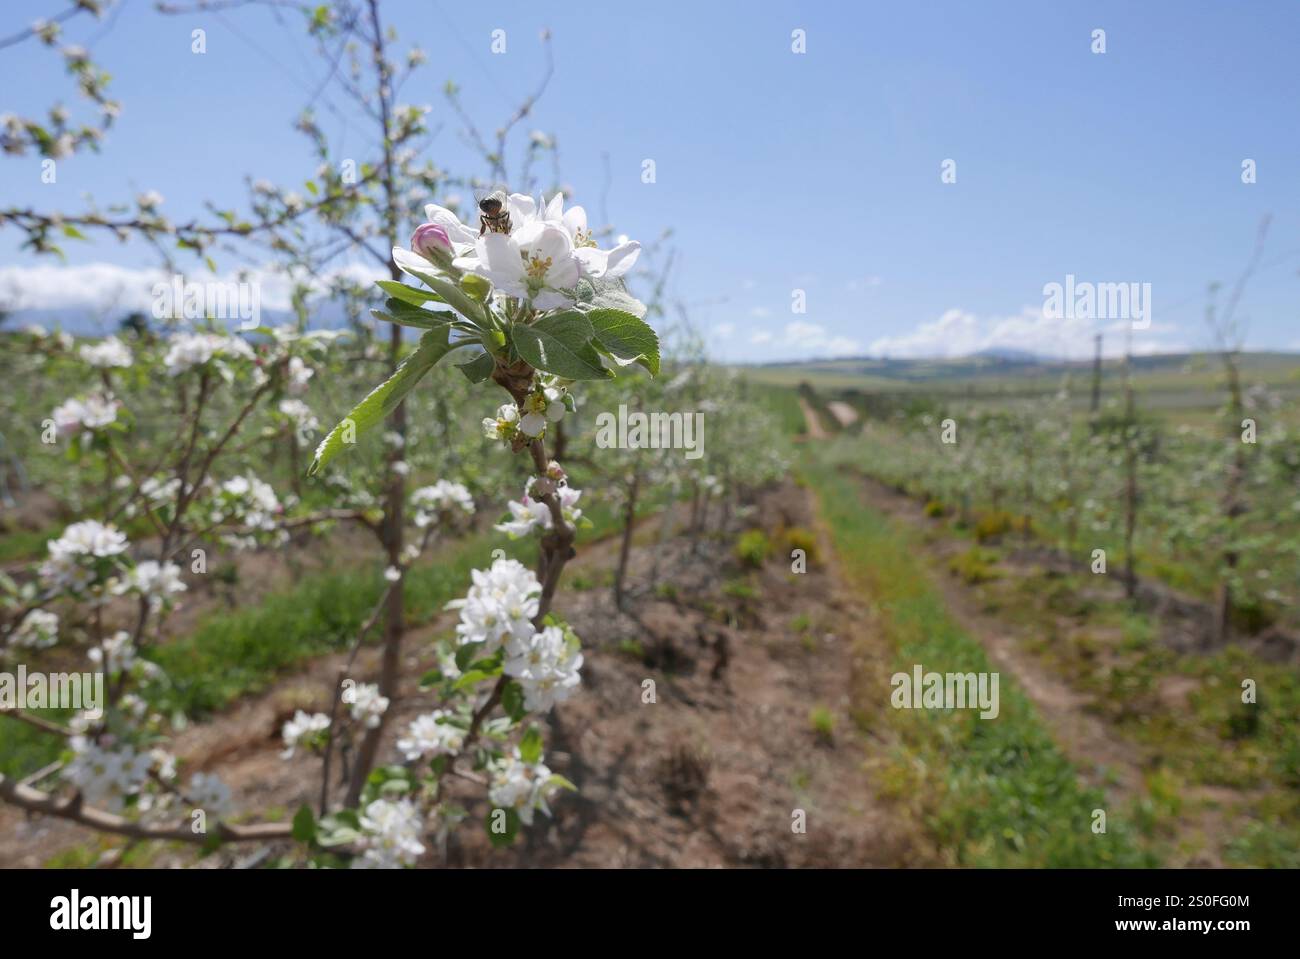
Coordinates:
(995, 792)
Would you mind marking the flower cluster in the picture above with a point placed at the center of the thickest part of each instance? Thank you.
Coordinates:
(541, 260)
(185, 351)
(529, 513)
(546, 666)
(390, 835)
(86, 414)
(207, 792)
(81, 554)
(152, 580)
(107, 775)
(500, 605)
(443, 499)
(368, 707)
(498, 613)
(433, 734)
(38, 630)
(108, 352)
(248, 500)
(521, 786)
(305, 729)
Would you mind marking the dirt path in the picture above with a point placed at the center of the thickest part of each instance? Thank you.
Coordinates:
(815, 429)
(1104, 758)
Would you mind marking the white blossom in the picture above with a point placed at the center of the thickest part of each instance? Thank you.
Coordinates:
(38, 630)
(91, 412)
(209, 793)
(368, 707)
(520, 786)
(391, 835)
(302, 726)
(443, 497)
(108, 352)
(431, 735)
(501, 604)
(546, 665)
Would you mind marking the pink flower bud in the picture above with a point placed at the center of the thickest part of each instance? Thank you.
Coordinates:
(431, 241)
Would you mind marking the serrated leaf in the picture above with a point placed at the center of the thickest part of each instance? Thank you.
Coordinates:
(608, 294)
(560, 343)
(627, 338)
(385, 397)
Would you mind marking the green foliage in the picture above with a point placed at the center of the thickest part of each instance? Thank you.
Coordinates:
(823, 724)
(753, 548)
(383, 399)
(975, 565)
(560, 343)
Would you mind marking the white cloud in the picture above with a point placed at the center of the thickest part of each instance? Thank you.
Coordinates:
(760, 337)
(760, 312)
(960, 333)
(723, 329)
(105, 286)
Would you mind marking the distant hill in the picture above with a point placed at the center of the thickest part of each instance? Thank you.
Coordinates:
(1000, 365)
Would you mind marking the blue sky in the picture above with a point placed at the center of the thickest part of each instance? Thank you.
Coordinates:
(779, 171)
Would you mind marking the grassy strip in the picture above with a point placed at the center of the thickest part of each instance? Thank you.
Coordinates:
(991, 792)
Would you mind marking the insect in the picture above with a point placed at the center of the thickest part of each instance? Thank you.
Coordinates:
(493, 214)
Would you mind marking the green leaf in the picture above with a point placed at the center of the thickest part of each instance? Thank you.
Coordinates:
(626, 338)
(471, 678)
(385, 397)
(479, 368)
(407, 294)
(512, 700)
(71, 231)
(464, 655)
(451, 294)
(403, 314)
(560, 343)
(530, 746)
(558, 780)
(304, 824)
(608, 294)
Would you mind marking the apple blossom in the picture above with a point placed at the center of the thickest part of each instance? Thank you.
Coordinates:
(304, 729)
(108, 352)
(431, 735)
(390, 835)
(368, 707)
